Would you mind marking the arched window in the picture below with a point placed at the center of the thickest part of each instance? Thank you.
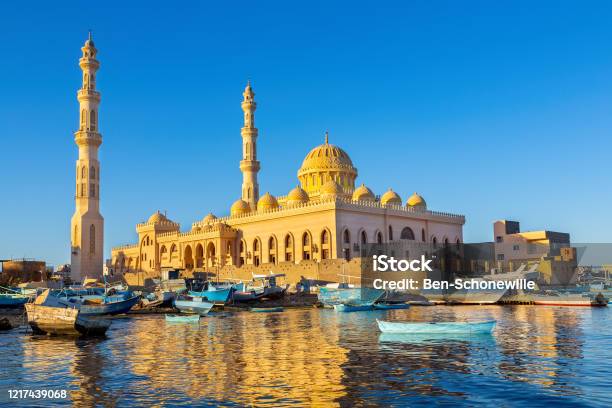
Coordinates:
(92, 239)
(93, 119)
(325, 245)
(288, 248)
(83, 117)
(407, 233)
(272, 250)
(306, 247)
(76, 236)
(92, 172)
(435, 242)
(256, 252)
(84, 172)
(423, 235)
(242, 253)
(92, 188)
(347, 236)
(364, 237)
(379, 238)
(390, 233)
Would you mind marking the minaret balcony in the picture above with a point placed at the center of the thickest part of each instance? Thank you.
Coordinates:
(87, 138)
(249, 165)
(88, 94)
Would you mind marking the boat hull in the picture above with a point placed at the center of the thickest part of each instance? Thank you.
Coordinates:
(436, 327)
(64, 321)
(221, 295)
(352, 308)
(12, 301)
(391, 306)
(113, 308)
(195, 318)
(334, 296)
(193, 306)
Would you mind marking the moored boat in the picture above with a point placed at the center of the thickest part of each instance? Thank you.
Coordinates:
(214, 294)
(342, 307)
(57, 320)
(391, 306)
(569, 299)
(436, 327)
(267, 309)
(193, 304)
(192, 318)
(105, 305)
(334, 294)
(12, 300)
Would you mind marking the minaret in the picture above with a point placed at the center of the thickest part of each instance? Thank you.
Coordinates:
(87, 224)
(249, 164)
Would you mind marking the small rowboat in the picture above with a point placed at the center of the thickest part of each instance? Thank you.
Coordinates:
(436, 327)
(352, 308)
(391, 306)
(267, 309)
(193, 304)
(194, 318)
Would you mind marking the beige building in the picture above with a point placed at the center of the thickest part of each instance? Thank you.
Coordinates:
(551, 250)
(87, 224)
(316, 231)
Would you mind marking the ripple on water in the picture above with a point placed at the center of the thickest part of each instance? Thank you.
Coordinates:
(536, 355)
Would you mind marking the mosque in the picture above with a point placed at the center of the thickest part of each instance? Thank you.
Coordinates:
(317, 230)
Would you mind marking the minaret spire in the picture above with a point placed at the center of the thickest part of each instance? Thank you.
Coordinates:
(87, 224)
(249, 164)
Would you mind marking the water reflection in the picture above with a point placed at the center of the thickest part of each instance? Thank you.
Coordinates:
(320, 357)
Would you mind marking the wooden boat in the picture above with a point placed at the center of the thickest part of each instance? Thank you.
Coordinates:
(391, 306)
(55, 320)
(193, 318)
(352, 308)
(106, 305)
(267, 309)
(193, 304)
(436, 327)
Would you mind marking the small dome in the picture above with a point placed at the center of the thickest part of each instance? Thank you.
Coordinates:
(330, 189)
(209, 219)
(240, 207)
(196, 228)
(391, 197)
(267, 202)
(297, 196)
(417, 201)
(157, 217)
(362, 193)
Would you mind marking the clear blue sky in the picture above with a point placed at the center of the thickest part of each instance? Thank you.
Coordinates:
(489, 109)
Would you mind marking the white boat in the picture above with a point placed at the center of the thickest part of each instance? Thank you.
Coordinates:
(193, 304)
(436, 327)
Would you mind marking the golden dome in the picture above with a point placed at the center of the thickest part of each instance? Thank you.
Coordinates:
(240, 207)
(209, 219)
(324, 162)
(330, 189)
(267, 202)
(390, 197)
(297, 196)
(362, 193)
(157, 217)
(416, 200)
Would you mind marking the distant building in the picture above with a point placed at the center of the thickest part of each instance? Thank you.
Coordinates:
(23, 270)
(552, 250)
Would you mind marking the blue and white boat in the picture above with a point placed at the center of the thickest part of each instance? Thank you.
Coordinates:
(335, 294)
(391, 306)
(105, 305)
(193, 304)
(12, 300)
(214, 293)
(353, 307)
(436, 327)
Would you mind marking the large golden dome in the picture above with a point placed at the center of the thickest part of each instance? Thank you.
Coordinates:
(327, 162)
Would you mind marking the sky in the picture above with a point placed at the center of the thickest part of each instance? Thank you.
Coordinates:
(489, 109)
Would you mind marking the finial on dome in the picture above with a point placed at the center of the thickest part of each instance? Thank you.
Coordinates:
(90, 38)
(326, 137)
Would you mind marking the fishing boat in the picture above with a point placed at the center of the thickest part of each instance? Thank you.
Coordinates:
(12, 300)
(192, 318)
(342, 307)
(193, 304)
(214, 293)
(391, 306)
(267, 309)
(333, 294)
(436, 327)
(551, 298)
(57, 320)
(97, 305)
